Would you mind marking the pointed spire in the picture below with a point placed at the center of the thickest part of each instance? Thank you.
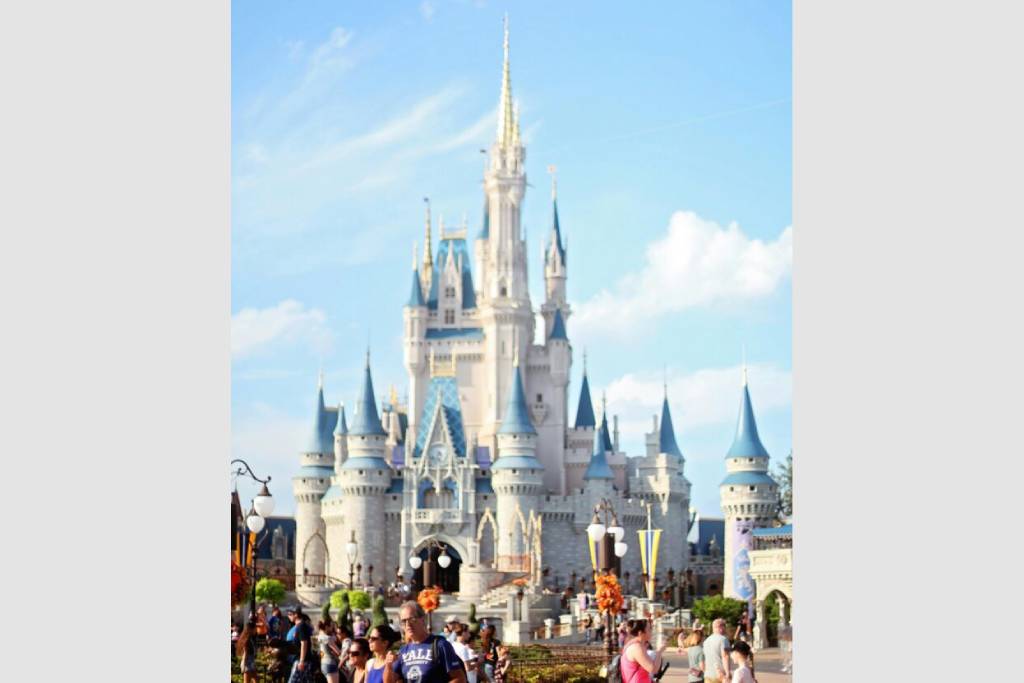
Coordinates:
(747, 442)
(606, 436)
(366, 421)
(585, 409)
(517, 416)
(506, 122)
(428, 259)
(558, 327)
(598, 467)
(320, 440)
(515, 125)
(667, 437)
(416, 292)
(341, 428)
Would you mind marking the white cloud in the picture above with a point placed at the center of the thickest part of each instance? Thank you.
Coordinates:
(710, 396)
(258, 329)
(427, 10)
(698, 263)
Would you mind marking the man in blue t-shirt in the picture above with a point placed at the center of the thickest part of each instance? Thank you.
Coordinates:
(425, 658)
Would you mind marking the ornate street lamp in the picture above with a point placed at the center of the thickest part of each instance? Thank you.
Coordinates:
(255, 522)
(351, 551)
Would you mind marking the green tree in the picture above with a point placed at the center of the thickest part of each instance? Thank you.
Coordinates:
(359, 599)
(784, 477)
(474, 625)
(719, 607)
(380, 617)
(325, 611)
(269, 590)
(339, 600)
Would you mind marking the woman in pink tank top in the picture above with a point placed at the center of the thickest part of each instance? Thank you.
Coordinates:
(636, 665)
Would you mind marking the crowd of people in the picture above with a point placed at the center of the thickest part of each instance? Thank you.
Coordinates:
(714, 659)
(331, 653)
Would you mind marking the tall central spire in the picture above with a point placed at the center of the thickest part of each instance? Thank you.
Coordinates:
(428, 258)
(506, 113)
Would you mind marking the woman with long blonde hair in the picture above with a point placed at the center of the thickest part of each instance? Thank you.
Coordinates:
(695, 655)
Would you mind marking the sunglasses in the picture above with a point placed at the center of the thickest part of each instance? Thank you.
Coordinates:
(354, 654)
(407, 620)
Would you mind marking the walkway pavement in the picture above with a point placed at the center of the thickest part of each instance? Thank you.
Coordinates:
(767, 665)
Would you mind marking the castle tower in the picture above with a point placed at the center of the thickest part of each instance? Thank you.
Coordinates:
(309, 485)
(517, 476)
(659, 480)
(748, 497)
(555, 273)
(340, 439)
(362, 481)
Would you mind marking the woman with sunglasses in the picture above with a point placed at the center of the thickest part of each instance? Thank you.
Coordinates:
(358, 653)
(381, 639)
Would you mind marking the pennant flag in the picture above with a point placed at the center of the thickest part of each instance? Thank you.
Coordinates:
(649, 539)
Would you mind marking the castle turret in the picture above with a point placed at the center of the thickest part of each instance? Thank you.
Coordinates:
(340, 439)
(555, 274)
(309, 486)
(658, 479)
(362, 481)
(748, 498)
(416, 319)
(517, 474)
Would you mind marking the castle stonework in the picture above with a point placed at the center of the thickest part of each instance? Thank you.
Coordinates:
(749, 497)
(483, 458)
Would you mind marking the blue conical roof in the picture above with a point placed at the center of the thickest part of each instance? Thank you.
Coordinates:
(558, 327)
(341, 428)
(558, 233)
(598, 467)
(747, 443)
(416, 293)
(366, 421)
(667, 438)
(585, 410)
(517, 416)
(605, 435)
(320, 440)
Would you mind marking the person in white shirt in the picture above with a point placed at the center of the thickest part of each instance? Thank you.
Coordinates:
(743, 658)
(466, 653)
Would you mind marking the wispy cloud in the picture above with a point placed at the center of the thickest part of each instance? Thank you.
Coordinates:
(710, 396)
(254, 330)
(401, 128)
(697, 263)
(427, 10)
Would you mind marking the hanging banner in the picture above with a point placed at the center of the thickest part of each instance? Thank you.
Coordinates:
(649, 539)
(742, 540)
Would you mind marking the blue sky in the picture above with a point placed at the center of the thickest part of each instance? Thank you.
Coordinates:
(670, 126)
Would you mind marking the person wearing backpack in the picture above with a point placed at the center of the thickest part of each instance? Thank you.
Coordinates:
(424, 658)
(635, 665)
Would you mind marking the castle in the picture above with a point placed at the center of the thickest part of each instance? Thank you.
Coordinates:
(484, 458)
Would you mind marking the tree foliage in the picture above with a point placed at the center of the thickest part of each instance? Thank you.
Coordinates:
(325, 611)
(359, 599)
(783, 475)
(379, 617)
(269, 590)
(474, 625)
(339, 600)
(719, 607)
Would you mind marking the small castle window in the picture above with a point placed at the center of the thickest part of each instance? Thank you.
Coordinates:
(449, 292)
(730, 489)
(449, 316)
(540, 398)
(753, 488)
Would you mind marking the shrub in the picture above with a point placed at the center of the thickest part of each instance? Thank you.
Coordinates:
(339, 599)
(269, 590)
(719, 607)
(474, 625)
(380, 617)
(359, 599)
(325, 611)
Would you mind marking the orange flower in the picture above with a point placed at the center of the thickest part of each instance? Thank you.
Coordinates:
(608, 594)
(429, 598)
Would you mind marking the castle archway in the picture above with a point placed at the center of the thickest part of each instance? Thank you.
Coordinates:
(445, 577)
